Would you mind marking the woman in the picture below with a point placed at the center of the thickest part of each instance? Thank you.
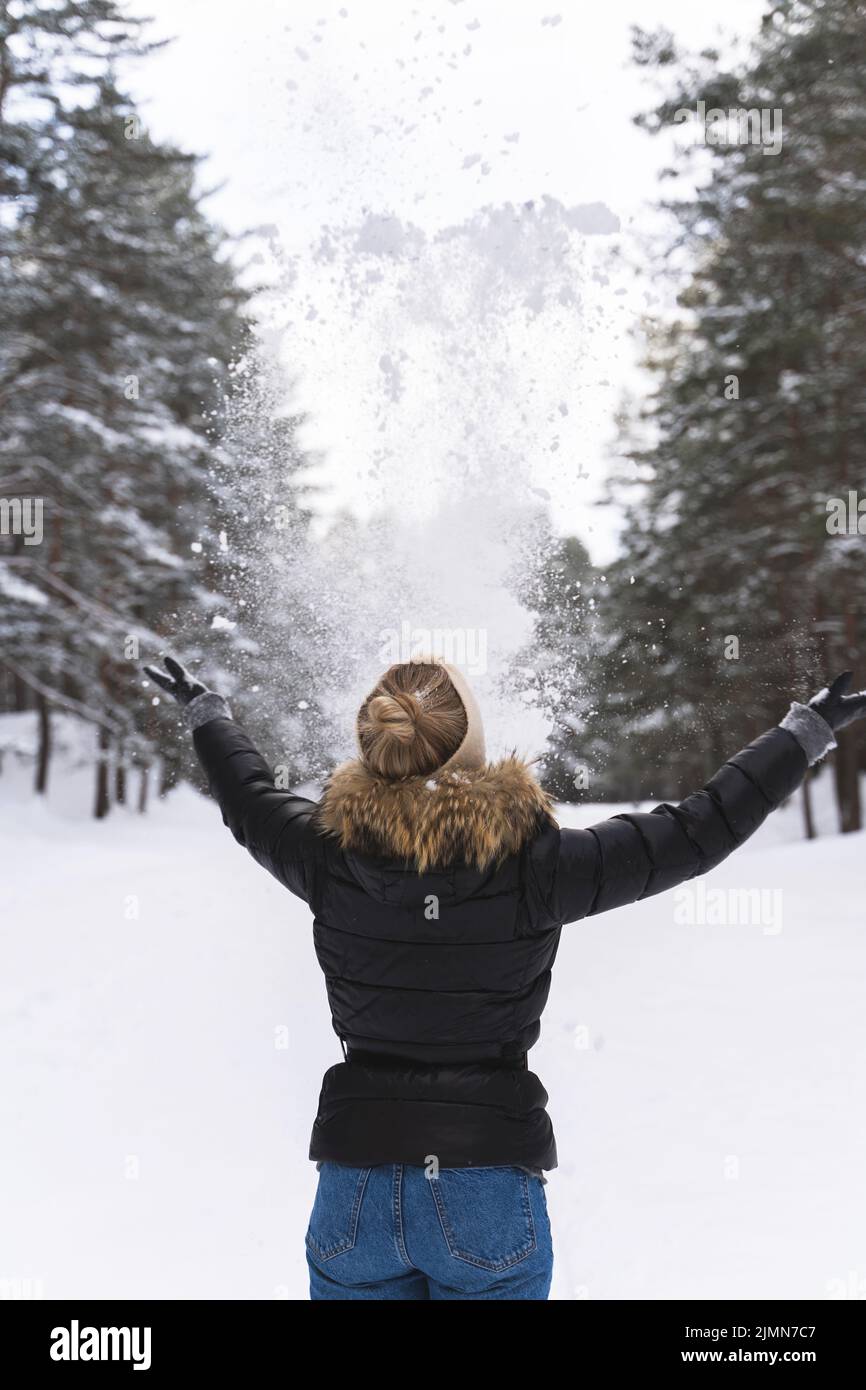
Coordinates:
(439, 883)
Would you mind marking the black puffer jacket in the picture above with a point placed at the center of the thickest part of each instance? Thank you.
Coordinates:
(437, 979)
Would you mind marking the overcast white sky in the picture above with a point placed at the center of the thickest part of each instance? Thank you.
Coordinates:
(320, 115)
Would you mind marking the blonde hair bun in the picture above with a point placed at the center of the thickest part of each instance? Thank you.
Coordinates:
(394, 715)
(412, 722)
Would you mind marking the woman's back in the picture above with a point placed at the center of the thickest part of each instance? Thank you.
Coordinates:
(436, 979)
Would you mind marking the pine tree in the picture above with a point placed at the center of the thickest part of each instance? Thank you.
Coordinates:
(741, 595)
(558, 672)
(41, 49)
(125, 317)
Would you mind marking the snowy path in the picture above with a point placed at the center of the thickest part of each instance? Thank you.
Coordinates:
(707, 1083)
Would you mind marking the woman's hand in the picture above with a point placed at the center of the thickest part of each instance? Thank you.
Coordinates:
(176, 681)
(837, 708)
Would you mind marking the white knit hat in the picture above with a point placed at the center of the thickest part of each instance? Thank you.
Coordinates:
(472, 752)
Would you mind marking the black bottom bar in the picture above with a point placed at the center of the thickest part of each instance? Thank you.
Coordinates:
(220, 1339)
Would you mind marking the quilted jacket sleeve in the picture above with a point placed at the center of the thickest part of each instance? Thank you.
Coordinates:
(581, 872)
(274, 825)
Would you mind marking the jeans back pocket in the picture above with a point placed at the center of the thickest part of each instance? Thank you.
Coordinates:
(333, 1227)
(485, 1215)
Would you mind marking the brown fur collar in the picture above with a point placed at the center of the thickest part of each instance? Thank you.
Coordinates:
(468, 815)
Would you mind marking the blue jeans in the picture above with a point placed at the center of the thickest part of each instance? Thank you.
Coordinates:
(395, 1232)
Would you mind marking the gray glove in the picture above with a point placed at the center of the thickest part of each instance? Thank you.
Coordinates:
(836, 707)
(179, 683)
(200, 705)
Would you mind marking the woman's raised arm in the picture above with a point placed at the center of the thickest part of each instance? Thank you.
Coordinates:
(636, 854)
(274, 825)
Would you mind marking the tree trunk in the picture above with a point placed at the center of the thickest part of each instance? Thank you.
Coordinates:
(144, 778)
(168, 774)
(20, 694)
(847, 755)
(848, 783)
(120, 779)
(808, 819)
(102, 805)
(43, 756)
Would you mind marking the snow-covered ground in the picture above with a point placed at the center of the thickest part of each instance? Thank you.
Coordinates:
(163, 1031)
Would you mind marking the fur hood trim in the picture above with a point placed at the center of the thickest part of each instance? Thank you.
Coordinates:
(461, 815)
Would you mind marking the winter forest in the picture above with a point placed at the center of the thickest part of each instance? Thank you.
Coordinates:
(289, 459)
(157, 493)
